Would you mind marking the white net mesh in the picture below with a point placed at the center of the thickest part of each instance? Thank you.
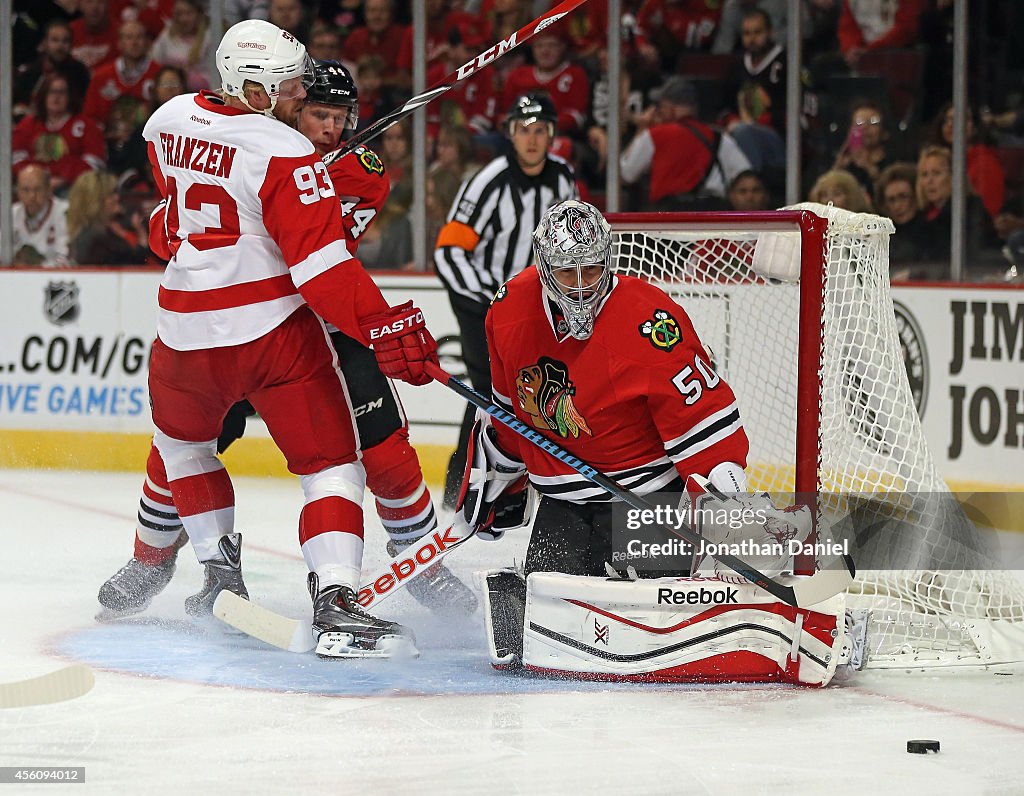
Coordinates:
(925, 575)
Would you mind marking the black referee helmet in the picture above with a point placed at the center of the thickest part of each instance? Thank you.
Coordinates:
(333, 85)
(530, 108)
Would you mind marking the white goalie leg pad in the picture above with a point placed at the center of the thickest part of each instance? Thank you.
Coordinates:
(718, 629)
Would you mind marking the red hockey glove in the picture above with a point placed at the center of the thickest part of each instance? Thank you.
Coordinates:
(402, 343)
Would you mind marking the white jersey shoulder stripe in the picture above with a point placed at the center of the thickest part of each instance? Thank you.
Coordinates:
(320, 261)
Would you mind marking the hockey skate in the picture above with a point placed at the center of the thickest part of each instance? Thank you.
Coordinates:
(438, 589)
(132, 588)
(225, 573)
(342, 629)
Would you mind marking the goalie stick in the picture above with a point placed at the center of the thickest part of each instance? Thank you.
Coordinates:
(471, 67)
(70, 682)
(803, 593)
(294, 635)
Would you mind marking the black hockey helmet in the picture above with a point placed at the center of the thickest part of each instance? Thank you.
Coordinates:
(530, 108)
(334, 86)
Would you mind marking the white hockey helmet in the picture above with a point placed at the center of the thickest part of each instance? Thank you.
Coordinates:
(260, 51)
(572, 236)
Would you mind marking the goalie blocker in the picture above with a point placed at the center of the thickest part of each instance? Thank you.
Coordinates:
(700, 629)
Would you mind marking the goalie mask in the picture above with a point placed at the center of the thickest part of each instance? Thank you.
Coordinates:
(573, 249)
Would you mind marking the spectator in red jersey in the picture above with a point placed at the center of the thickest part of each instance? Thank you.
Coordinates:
(132, 74)
(690, 164)
(153, 14)
(984, 171)
(186, 43)
(502, 18)
(54, 56)
(380, 36)
(57, 136)
(94, 34)
(471, 102)
(97, 235)
(565, 82)
(441, 21)
(870, 25)
(672, 25)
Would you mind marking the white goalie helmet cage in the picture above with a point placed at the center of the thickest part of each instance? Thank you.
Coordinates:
(572, 236)
(260, 51)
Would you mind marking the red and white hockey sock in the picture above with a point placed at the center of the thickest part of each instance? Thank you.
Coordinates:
(403, 501)
(201, 490)
(331, 524)
(158, 528)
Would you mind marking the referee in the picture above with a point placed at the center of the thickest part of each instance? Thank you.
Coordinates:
(488, 238)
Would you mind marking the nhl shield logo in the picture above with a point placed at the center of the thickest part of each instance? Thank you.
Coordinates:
(60, 302)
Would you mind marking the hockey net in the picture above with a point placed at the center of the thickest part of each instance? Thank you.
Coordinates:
(795, 306)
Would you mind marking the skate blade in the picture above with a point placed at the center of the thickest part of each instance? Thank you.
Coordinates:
(112, 615)
(342, 645)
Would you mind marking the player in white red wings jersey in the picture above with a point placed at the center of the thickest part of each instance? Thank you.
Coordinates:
(251, 227)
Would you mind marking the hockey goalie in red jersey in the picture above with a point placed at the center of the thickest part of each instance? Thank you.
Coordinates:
(611, 369)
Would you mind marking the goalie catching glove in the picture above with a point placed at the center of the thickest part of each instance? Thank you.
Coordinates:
(402, 343)
(730, 520)
(495, 495)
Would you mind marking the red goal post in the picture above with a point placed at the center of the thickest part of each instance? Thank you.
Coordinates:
(796, 308)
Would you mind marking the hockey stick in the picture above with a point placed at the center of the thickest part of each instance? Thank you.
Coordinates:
(70, 682)
(491, 54)
(294, 635)
(803, 593)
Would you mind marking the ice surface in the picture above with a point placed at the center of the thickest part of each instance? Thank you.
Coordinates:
(180, 708)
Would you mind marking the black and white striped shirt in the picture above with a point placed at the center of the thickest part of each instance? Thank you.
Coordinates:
(488, 237)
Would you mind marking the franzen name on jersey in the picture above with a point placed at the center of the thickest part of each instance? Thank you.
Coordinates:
(208, 157)
(640, 400)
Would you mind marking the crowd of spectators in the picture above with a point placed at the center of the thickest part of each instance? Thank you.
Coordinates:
(702, 117)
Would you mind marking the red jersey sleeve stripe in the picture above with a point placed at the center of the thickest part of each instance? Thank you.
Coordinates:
(223, 298)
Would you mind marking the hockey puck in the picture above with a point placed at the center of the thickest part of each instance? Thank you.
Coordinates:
(922, 747)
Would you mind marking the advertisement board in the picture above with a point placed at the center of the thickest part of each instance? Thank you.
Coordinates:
(74, 346)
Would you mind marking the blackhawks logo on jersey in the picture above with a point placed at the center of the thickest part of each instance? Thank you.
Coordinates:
(545, 393)
(662, 331)
(500, 295)
(370, 161)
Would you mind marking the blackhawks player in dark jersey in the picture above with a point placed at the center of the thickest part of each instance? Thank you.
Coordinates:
(393, 473)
